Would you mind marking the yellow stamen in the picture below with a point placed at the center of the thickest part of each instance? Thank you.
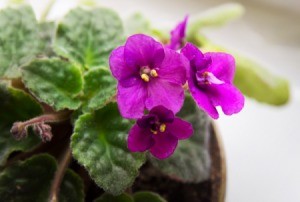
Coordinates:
(145, 77)
(154, 132)
(205, 74)
(153, 73)
(162, 127)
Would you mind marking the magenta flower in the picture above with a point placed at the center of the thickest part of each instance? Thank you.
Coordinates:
(178, 35)
(148, 75)
(158, 132)
(210, 78)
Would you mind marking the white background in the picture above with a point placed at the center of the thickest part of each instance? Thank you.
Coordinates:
(262, 142)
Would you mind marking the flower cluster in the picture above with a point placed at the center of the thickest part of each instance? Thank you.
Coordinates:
(151, 77)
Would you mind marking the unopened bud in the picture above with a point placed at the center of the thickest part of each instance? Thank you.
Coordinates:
(18, 131)
(44, 131)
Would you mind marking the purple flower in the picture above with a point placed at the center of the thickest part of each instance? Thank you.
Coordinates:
(178, 35)
(210, 78)
(158, 132)
(148, 75)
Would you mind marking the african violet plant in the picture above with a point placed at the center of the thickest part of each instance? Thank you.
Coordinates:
(113, 101)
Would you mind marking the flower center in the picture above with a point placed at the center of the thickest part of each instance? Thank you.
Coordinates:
(161, 127)
(146, 73)
(207, 78)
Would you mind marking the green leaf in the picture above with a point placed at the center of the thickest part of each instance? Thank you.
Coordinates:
(99, 88)
(137, 23)
(254, 80)
(147, 196)
(9, 145)
(19, 40)
(88, 36)
(99, 144)
(110, 198)
(31, 180)
(258, 83)
(190, 161)
(214, 17)
(15, 105)
(54, 81)
(71, 188)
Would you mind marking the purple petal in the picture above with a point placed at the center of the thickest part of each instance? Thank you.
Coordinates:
(202, 64)
(164, 146)
(178, 35)
(139, 139)
(130, 81)
(147, 121)
(195, 56)
(131, 100)
(173, 68)
(164, 115)
(228, 97)
(202, 99)
(118, 67)
(222, 66)
(190, 51)
(163, 93)
(141, 50)
(180, 129)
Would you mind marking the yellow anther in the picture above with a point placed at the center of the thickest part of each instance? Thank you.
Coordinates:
(205, 74)
(162, 127)
(145, 77)
(154, 132)
(153, 73)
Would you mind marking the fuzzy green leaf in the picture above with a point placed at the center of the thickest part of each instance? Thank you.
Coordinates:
(147, 196)
(9, 145)
(15, 105)
(54, 81)
(28, 181)
(31, 180)
(190, 161)
(20, 40)
(99, 144)
(99, 88)
(110, 198)
(71, 188)
(88, 36)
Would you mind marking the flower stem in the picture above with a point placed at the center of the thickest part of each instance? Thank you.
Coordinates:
(47, 10)
(59, 174)
(49, 118)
